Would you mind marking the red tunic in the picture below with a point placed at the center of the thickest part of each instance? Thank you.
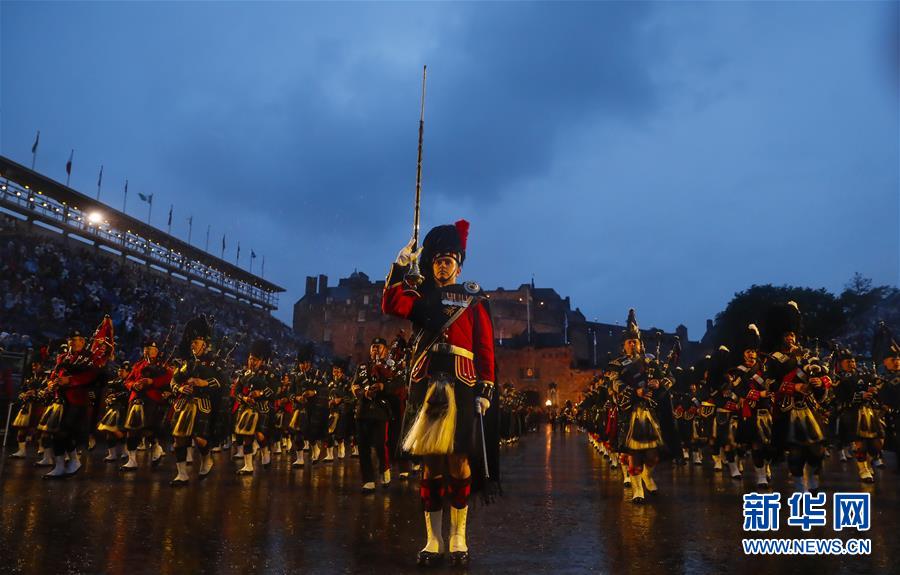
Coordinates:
(157, 386)
(472, 331)
(76, 392)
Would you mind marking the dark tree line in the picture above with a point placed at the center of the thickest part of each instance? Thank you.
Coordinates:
(849, 318)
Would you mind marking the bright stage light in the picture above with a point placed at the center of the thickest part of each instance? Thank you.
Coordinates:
(95, 217)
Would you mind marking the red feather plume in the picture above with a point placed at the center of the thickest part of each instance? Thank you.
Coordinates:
(462, 229)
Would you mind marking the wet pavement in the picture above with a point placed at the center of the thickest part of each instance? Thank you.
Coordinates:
(563, 511)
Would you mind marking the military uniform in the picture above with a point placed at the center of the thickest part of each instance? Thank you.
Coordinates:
(30, 406)
(372, 386)
(800, 383)
(755, 416)
(195, 406)
(115, 406)
(149, 383)
(453, 364)
(254, 392)
(858, 409)
(67, 417)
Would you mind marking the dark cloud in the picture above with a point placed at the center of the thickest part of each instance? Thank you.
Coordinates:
(651, 155)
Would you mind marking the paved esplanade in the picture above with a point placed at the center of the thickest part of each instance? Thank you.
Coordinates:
(564, 511)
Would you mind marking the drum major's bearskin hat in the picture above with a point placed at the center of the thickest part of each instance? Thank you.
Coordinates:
(341, 362)
(379, 341)
(780, 319)
(150, 342)
(445, 240)
(261, 349)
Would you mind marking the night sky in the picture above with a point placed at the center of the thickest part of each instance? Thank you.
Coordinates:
(651, 155)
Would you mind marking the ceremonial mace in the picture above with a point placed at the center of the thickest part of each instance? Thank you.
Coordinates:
(414, 276)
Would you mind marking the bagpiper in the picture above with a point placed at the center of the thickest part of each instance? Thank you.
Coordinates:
(886, 351)
(639, 434)
(195, 385)
(755, 423)
(76, 370)
(725, 422)
(310, 418)
(31, 406)
(254, 390)
(859, 412)
(340, 410)
(799, 386)
(149, 384)
(115, 404)
(453, 360)
(372, 386)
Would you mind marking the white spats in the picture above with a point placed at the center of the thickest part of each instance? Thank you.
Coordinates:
(59, 469)
(299, 462)
(458, 529)
(341, 450)
(733, 470)
(761, 479)
(637, 489)
(46, 459)
(329, 454)
(132, 460)
(865, 472)
(647, 478)
(22, 452)
(73, 464)
(386, 478)
(265, 456)
(182, 475)
(247, 469)
(158, 452)
(207, 465)
(435, 540)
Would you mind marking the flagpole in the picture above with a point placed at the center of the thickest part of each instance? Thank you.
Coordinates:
(190, 228)
(34, 148)
(251, 260)
(169, 225)
(99, 181)
(69, 166)
(149, 209)
(207, 237)
(262, 273)
(125, 196)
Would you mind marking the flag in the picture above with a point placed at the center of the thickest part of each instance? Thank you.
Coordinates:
(37, 139)
(100, 179)
(239, 251)
(191, 221)
(252, 254)
(69, 163)
(171, 206)
(223, 243)
(148, 198)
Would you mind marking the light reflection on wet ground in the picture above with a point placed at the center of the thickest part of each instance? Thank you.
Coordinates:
(564, 511)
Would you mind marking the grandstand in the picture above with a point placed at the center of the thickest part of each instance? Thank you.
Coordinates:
(47, 204)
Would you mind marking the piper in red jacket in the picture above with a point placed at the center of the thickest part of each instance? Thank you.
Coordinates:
(148, 382)
(452, 367)
(67, 418)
